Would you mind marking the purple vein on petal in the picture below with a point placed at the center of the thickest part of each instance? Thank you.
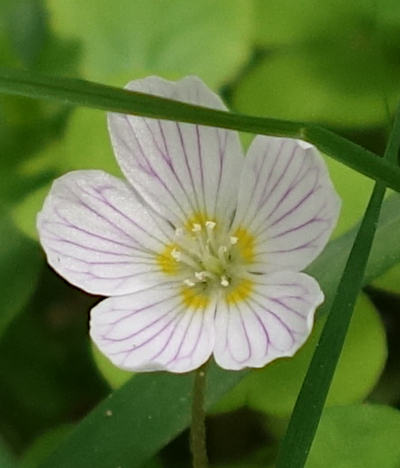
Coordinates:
(199, 153)
(175, 357)
(199, 334)
(298, 178)
(105, 201)
(246, 335)
(290, 331)
(91, 249)
(85, 231)
(221, 161)
(168, 160)
(153, 173)
(315, 219)
(292, 210)
(259, 178)
(134, 347)
(132, 313)
(267, 193)
(179, 318)
(106, 336)
(187, 163)
(281, 303)
(267, 338)
(307, 245)
(107, 220)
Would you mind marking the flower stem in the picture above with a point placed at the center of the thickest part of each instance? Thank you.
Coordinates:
(198, 427)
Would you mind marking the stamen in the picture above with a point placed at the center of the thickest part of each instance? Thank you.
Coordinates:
(233, 240)
(221, 254)
(224, 281)
(178, 232)
(176, 254)
(210, 225)
(200, 275)
(189, 283)
(196, 227)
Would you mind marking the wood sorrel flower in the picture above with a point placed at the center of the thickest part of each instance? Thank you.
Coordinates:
(201, 249)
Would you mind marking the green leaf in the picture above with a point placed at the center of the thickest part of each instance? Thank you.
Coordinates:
(389, 281)
(133, 423)
(6, 458)
(86, 143)
(105, 97)
(113, 375)
(330, 84)
(286, 22)
(359, 436)
(43, 445)
(274, 388)
(25, 212)
(210, 39)
(310, 402)
(20, 265)
(24, 22)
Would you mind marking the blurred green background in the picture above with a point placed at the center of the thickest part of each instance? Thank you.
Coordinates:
(331, 62)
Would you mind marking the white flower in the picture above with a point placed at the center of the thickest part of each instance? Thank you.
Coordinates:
(201, 249)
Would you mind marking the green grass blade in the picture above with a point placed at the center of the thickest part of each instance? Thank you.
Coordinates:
(310, 402)
(129, 436)
(84, 93)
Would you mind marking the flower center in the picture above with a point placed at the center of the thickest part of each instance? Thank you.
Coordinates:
(208, 257)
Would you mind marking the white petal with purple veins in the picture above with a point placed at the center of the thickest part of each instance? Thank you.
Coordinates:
(153, 330)
(273, 321)
(179, 168)
(287, 202)
(99, 237)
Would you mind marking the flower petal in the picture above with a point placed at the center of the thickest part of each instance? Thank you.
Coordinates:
(98, 236)
(273, 321)
(287, 202)
(181, 169)
(153, 329)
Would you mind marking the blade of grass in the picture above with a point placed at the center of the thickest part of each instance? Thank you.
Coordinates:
(311, 400)
(84, 93)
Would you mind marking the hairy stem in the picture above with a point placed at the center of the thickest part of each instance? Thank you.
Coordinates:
(198, 427)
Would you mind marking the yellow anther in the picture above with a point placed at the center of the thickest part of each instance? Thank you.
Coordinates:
(200, 275)
(189, 282)
(233, 240)
(196, 227)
